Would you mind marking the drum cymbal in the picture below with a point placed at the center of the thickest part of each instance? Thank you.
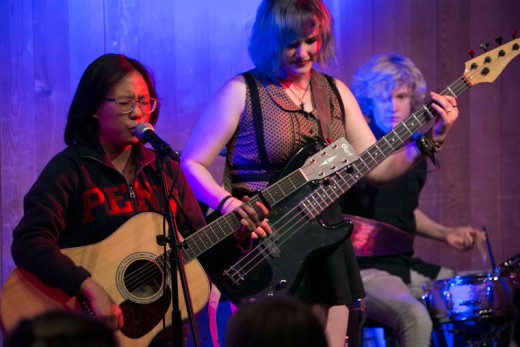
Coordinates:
(373, 238)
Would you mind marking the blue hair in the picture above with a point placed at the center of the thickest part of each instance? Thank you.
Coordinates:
(280, 22)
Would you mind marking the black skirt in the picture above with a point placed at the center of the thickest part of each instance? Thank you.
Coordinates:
(332, 276)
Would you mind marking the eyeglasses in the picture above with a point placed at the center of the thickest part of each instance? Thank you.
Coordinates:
(127, 105)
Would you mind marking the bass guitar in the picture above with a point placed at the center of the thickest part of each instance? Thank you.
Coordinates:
(274, 265)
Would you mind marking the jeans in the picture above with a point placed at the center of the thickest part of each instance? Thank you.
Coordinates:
(397, 305)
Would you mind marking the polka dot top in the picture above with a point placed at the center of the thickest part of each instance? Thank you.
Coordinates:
(286, 128)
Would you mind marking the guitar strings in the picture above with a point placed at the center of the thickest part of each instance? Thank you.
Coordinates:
(142, 276)
(148, 269)
(459, 86)
(239, 268)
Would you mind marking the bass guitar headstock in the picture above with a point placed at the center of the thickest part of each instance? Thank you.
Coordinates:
(330, 159)
(488, 66)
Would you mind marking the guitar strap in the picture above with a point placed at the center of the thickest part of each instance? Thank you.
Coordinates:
(323, 104)
(272, 172)
(321, 100)
(257, 117)
(335, 90)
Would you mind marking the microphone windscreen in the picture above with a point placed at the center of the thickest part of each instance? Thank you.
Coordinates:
(140, 129)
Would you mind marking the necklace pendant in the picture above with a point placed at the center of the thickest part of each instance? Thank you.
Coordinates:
(302, 104)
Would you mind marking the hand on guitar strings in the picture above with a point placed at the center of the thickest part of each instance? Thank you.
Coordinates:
(104, 308)
(254, 222)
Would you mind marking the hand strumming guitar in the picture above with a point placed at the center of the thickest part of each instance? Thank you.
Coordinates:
(102, 304)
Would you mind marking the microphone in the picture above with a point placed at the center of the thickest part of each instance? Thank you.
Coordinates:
(145, 133)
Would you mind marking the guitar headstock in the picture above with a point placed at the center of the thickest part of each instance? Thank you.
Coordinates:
(329, 160)
(487, 67)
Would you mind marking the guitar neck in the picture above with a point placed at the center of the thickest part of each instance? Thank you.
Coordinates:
(224, 226)
(324, 196)
(213, 233)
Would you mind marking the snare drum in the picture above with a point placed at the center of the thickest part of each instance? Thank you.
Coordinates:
(462, 298)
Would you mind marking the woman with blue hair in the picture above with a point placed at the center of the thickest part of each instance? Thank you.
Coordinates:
(268, 114)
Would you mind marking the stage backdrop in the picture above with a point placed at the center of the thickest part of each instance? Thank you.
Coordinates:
(194, 46)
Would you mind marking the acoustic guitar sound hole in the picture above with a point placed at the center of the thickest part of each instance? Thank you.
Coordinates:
(143, 279)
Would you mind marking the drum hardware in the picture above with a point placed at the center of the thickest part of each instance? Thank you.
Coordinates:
(476, 308)
(510, 269)
(468, 298)
(473, 334)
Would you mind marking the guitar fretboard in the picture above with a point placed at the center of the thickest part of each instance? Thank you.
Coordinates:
(224, 226)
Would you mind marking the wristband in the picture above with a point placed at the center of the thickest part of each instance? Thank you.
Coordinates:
(428, 147)
(222, 202)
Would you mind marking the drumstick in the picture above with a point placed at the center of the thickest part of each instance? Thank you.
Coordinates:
(494, 267)
(483, 253)
(479, 241)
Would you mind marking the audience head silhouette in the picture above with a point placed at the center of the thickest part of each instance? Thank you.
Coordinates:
(61, 329)
(275, 322)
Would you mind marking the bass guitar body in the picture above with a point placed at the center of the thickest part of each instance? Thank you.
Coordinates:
(275, 265)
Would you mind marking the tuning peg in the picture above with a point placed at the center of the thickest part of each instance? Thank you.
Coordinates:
(499, 40)
(471, 53)
(484, 46)
(513, 33)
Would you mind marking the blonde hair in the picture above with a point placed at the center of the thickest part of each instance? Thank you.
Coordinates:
(381, 75)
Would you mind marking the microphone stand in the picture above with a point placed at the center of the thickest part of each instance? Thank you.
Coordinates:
(176, 265)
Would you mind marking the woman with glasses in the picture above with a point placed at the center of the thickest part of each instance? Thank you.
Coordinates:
(102, 179)
(267, 115)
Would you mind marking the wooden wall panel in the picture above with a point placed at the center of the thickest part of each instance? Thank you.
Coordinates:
(354, 36)
(4, 102)
(18, 126)
(195, 46)
(86, 37)
(4, 109)
(51, 78)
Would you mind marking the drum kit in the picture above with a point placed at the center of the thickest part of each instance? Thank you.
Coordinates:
(478, 309)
